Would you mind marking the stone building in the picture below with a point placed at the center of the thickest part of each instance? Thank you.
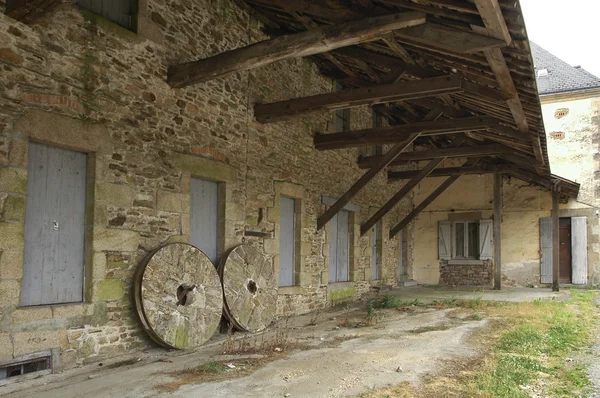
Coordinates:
(570, 98)
(128, 125)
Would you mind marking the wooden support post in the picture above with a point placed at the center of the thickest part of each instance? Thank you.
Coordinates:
(498, 231)
(368, 176)
(303, 44)
(555, 239)
(433, 196)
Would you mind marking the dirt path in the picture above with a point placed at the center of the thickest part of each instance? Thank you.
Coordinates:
(382, 358)
(403, 346)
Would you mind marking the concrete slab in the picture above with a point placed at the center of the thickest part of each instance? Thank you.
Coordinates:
(428, 294)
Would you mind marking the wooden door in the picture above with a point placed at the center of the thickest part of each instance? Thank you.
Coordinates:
(565, 250)
(54, 226)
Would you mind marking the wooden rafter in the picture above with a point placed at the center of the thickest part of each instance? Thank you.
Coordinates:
(267, 113)
(451, 171)
(314, 41)
(432, 196)
(364, 180)
(441, 37)
(464, 151)
(393, 201)
(392, 134)
(495, 26)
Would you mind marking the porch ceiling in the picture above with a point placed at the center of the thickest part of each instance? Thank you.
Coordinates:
(482, 41)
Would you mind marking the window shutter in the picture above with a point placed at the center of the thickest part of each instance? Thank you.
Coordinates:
(445, 240)
(546, 250)
(486, 240)
(579, 250)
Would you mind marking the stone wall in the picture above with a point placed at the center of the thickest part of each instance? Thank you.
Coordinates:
(77, 81)
(466, 274)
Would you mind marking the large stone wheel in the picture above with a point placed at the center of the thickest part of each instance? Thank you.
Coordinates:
(178, 296)
(249, 288)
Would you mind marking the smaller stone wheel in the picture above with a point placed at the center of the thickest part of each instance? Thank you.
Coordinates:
(178, 296)
(249, 288)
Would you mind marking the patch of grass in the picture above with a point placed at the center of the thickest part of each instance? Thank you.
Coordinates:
(528, 347)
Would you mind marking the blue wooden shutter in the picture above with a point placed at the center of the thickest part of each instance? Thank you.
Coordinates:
(546, 250)
(486, 239)
(286, 241)
(579, 250)
(54, 226)
(445, 240)
(204, 217)
(343, 246)
(333, 244)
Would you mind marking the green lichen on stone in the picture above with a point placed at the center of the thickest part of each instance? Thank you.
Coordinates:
(205, 168)
(14, 208)
(341, 294)
(13, 180)
(109, 289)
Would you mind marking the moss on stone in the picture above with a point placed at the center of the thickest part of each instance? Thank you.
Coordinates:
(205, 168)
(341, 294)
(13, 180)
(109, 289)
(14, 208)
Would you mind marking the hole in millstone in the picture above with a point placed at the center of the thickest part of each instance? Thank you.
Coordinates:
(252, 287)
(182, 294)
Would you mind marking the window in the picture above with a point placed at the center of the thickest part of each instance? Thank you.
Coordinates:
(342, 116)
(287, 241)
(204, 217)
(53, 267)
(121, 12)
(376, 251)
(465, 240)
(339, 247)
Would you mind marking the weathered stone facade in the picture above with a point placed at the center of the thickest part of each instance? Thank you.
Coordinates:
(466, 274)
(77, 81)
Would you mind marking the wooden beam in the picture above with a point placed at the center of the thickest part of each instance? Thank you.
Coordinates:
(492, 17)
(368, 176)
(389, 205)
(451, 171)
(392, 134)
(498, 231)
(393, 44)
(314, 41)
(436, 36)
(366, 162)
(495, 26)
(555, 238)
(276, 111)
(433, 196)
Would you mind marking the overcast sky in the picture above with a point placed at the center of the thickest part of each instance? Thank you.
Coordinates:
(568, 29)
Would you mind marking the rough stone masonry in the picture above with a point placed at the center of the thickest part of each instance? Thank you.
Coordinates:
(74, 80)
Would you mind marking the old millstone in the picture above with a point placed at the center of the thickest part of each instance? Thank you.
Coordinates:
(249, 288)
(178, 296)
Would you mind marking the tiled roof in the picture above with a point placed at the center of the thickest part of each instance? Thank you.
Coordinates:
(561, 77)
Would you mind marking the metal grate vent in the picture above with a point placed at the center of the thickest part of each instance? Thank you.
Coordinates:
(25, 367)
